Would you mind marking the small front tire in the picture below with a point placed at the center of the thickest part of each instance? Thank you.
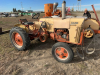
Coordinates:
(88, 33)
(62, 52)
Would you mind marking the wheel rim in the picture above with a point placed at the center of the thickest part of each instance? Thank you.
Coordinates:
(17, 39)
(43, 38)
(61, 53)
(88, 33)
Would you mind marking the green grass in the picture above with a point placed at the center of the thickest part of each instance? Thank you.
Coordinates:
(1, 22)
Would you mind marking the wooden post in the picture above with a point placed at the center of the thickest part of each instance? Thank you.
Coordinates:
(0, 30)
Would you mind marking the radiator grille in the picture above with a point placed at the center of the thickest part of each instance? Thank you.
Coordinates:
(78, 34)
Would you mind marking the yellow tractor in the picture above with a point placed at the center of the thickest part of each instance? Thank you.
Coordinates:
(64, 30)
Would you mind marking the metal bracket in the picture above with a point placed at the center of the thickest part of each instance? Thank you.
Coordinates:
(91, 52)
(80, 55)
(93, 40)
(88, 52)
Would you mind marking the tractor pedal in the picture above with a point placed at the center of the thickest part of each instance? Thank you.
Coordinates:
(36, 34)
(30, 32)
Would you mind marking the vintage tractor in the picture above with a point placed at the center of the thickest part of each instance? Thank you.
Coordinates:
(61, 29)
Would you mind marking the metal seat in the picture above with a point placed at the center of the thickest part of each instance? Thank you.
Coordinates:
(25, 22)
(28, 23)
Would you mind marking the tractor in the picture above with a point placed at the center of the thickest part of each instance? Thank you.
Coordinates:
(64, 30)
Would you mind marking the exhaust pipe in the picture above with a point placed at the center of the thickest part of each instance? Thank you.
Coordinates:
(63, 9)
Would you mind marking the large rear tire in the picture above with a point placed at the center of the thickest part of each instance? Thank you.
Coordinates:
(62, 52)
(19, 38)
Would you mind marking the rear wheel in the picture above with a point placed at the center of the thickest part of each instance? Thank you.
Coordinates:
(62, 52)
(19, 38)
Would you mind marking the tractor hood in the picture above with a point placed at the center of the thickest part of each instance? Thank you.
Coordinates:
(66, 23)
(76, 21)
(59, 23)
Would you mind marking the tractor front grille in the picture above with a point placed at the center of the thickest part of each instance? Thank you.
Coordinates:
(78, 34)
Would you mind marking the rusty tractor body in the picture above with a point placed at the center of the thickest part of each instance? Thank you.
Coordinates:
(61, 29)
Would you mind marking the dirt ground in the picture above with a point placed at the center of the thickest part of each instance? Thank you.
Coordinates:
(38, 60)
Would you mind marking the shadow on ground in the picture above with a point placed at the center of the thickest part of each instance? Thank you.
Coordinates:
(48, 45)
(5, 32)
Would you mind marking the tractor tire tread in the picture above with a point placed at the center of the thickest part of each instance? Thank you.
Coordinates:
(67, 47)
(26, 39)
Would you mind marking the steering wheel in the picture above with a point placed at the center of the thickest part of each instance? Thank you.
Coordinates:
(43, 24)
(36, 16)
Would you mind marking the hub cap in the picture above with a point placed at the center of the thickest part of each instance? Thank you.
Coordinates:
(17, 39)
(61, 53)
(88, 33)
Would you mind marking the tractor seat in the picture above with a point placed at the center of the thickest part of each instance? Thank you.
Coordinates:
(25, 22)
(28, 23)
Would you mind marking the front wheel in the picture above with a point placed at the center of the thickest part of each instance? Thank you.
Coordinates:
(19, 38)
(62, 52)
(88, 33)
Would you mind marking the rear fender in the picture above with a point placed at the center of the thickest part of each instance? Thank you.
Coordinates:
(22, 26)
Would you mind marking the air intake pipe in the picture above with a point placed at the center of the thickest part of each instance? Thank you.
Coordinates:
(55, 7)
(63, 9)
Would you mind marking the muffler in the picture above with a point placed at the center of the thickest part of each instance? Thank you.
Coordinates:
(63, 10)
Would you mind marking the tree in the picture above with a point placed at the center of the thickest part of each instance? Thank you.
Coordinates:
(19, 10)
(13, 9)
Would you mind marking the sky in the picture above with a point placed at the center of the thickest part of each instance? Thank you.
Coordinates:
(38, 5)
